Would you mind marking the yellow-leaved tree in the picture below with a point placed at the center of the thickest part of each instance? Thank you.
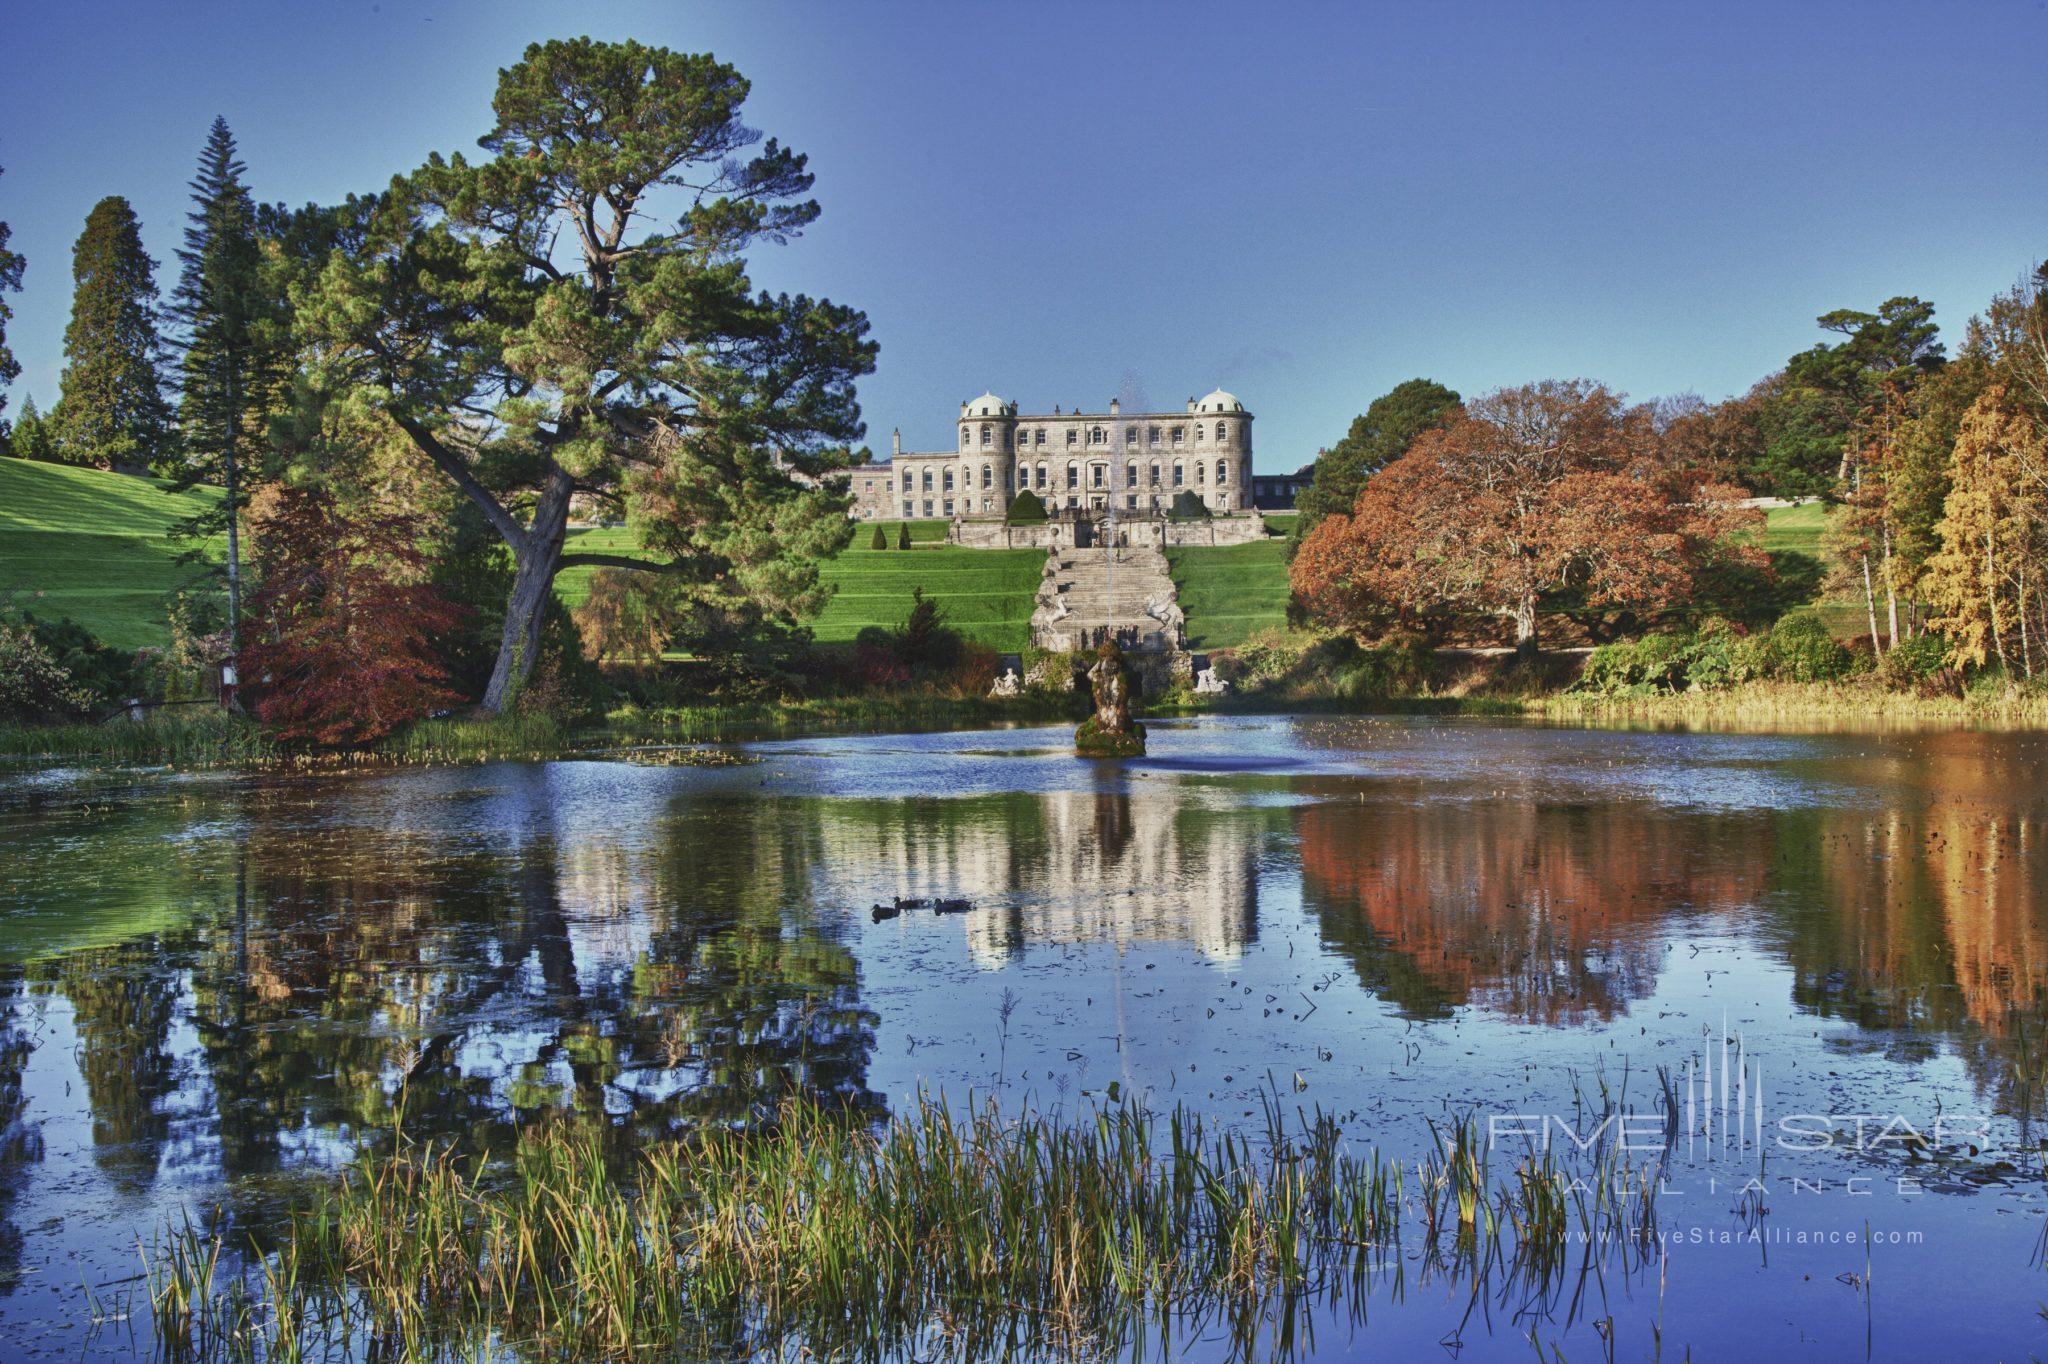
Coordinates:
(1985, 583)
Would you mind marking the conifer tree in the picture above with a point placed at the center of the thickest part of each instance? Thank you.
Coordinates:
(32, 437)
(113, 410)
(216, 307)
(11, 266)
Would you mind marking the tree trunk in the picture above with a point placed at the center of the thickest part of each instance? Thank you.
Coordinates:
(1891, 593)
(533, 579)
(1525, 627)
(1991, 600)
(1870, 607)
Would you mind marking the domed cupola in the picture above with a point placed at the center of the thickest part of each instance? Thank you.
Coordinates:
(1219, 401)
(987, 405)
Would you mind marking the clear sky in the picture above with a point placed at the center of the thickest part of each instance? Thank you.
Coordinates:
(1303, 203)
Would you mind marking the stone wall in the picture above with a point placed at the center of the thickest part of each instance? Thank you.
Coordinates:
(977, 532)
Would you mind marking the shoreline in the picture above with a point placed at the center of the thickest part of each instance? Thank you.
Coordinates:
(1768, 707)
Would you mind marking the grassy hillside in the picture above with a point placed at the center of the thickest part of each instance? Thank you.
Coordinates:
(985, 593)
(92, 546)
(1230, 592)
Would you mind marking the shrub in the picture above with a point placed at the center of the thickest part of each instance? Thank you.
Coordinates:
(925, 641)
(102, 672)
(1025, 509)
(903, 536)
(33, 685)
(878, 540)
(1653, 663)
(1803, 649)
(1188, 507)
(1920, 665)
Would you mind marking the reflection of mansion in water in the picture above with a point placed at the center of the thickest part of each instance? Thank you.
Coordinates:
(1080, 866)
(1135, 462)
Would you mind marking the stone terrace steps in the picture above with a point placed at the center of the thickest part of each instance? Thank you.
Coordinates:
(1074, 599)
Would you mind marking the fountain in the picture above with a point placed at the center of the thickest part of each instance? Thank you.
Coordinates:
(1110, 732)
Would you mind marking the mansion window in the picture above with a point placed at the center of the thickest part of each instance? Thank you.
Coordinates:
(1152, 435)
(1155, 473)
(907, 506)
(988, 476)
(1179, 434)
(927, 506)
(1222, 434)
(1073, 479)
(1097, 436)
(1176, 475)
(1131, 501)
(947, 480)
(1041, 475)
(1130, 435)
(1222, 472)
(1131, 474)
(1201, 473)
(1095, 476)
(906, 480)
(927, 480)
(1039, 438)
(949, 506)
(984, 435)
(1198, 431)
(966, 438)
(1072, 435)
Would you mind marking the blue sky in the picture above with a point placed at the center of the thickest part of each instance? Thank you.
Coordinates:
(1303, 203)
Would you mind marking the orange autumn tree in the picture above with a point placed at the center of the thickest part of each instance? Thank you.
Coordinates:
(344, 623)
(1534, 490)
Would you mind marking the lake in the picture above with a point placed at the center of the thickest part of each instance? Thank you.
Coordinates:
(1825, 954)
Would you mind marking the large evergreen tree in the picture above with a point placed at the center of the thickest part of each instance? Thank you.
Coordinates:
(217, 307)
(113, 410)
(11, 266)
(1378, 437)
(570, 320)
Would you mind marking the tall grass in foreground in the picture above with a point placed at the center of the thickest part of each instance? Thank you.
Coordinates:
(934, 1235)
(203, 737)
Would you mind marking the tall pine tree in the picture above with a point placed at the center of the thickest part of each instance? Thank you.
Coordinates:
(217, 306)
(11, 265)
(113, 410)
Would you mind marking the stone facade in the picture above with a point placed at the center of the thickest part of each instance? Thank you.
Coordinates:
(1136, 462)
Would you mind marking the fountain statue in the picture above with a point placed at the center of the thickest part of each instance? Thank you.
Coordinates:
(1110, 732)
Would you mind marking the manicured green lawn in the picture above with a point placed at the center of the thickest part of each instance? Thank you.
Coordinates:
(92, 546)
(985, 593)
(1230, 592)
(1796, 529)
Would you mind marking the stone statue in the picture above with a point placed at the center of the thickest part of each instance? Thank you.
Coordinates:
(1007, 685)
(1110, 732)
(1208, 683)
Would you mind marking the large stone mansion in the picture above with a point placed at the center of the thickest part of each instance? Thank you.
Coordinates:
(1133, 462)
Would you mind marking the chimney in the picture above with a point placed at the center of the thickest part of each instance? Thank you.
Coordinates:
(1114, 407)
(1191, 404)
(896, 441)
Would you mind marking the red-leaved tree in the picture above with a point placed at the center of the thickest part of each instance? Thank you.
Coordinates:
(1533, 490)
(345, 622)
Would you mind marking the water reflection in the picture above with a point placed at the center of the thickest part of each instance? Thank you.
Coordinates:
(1068, 866)
(247, 982)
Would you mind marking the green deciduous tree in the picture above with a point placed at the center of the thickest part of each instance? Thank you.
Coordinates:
(1378, 437)
(113, 410)
(569, 321)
